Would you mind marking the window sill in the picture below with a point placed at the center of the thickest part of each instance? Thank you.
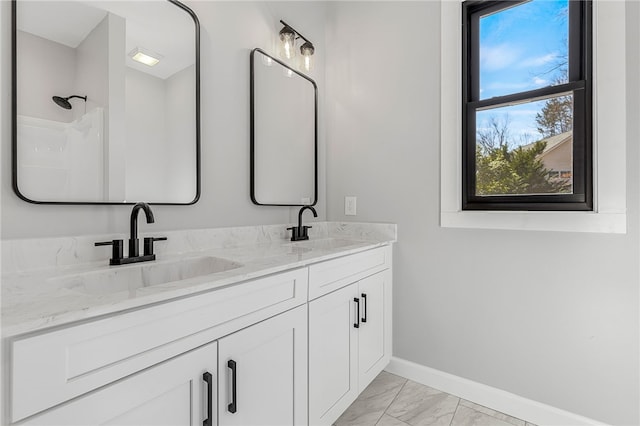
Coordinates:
(611, 223)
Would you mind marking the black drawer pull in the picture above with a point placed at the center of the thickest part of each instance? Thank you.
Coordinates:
(364, 298)
(232, 365)
(357, 323)
(207, 377)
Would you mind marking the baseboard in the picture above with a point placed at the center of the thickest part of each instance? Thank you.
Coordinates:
(497, 399)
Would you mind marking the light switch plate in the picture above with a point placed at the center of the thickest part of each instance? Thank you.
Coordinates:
(350, 205)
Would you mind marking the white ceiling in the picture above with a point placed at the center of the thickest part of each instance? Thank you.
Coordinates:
(155, 25)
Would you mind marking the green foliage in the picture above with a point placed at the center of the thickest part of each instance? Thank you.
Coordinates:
(500, 171)
(555, 117)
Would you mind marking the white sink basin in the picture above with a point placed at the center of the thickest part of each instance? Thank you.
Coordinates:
(133, 277)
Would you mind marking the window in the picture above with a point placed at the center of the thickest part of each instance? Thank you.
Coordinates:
(527, 105)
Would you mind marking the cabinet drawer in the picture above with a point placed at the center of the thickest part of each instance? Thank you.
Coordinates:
(53, 367)
(331, 275)
(170, 393)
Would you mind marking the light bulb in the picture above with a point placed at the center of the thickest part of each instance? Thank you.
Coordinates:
(287, 43)
(306, 50)
(288, 49)
(307, 64)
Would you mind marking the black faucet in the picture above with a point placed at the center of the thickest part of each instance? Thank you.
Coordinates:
(299, 233)
(134, 250)
(117, 257)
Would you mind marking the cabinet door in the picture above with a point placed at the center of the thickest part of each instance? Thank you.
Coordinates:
(263, 373)
(374, 345)
(169, 394)
(332, 355)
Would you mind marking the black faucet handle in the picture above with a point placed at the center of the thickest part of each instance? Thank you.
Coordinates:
(299, 234)
(294, 233)
(148, 244)
(117, 252)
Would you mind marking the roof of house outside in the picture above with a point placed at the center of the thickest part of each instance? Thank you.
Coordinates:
(553, 142)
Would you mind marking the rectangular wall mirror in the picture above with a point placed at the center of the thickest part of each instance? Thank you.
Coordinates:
(284, 134)
(106, 102)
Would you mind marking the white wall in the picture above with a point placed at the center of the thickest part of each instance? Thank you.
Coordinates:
(92, 79)
(47, 69)
(146, 124)
(549, 316)
(159, 119)
(91, 76)
(116, 134)
(180, 110)
(229, 31)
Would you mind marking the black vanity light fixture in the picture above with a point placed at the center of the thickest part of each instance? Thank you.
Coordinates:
(288, 37)
(64, 102)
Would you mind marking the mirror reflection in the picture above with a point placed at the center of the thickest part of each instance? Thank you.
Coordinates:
(283, 134)
(106, 103)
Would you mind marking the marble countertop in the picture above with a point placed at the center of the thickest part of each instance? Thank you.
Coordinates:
(33, 298)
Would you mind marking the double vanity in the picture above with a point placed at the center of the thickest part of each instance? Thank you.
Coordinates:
(230, 326)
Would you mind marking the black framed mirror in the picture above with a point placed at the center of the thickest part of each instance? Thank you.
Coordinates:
(105, 102)
(284, 134)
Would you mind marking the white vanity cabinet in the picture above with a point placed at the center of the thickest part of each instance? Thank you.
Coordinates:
(263, 373)
(293, 348)
(333, 355)
(175, 392)
(349, 331)
(258, 373)
(374, 333)
(54, 367)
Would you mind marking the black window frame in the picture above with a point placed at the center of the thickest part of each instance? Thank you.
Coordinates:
(579, 84)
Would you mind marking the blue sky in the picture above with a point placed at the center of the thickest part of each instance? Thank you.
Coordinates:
(519, 48)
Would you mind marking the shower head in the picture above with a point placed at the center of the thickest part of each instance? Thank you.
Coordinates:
(64, 102)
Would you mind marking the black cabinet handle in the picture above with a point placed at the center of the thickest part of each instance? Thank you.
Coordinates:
(357, 323)
(232, 365)
(364, 298)
(209, 379)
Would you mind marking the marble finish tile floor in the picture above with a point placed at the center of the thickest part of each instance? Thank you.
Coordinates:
(392, 400)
